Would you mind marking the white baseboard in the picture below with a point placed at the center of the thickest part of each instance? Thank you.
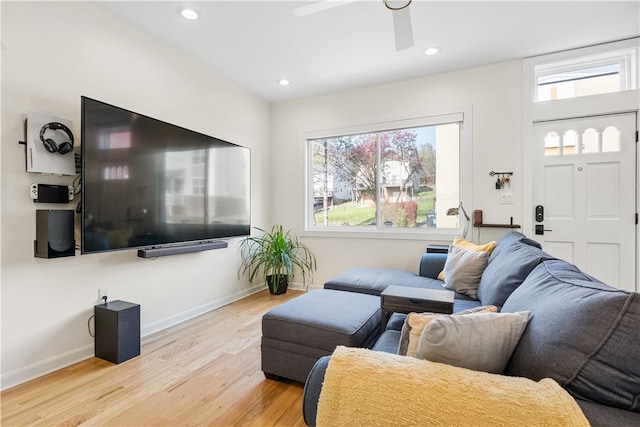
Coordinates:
(43, 367)
(160, 325)
(52, 364)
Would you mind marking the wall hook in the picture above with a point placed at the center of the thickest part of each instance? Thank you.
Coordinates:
(504, 179)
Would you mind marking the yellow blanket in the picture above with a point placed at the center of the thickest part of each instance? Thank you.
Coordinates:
(369, 388)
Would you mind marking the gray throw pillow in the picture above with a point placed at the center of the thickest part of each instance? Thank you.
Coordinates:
(478, 341)
(463, 270)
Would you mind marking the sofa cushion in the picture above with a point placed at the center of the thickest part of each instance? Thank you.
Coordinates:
(396, 321)
(506, 271)
(583, 333)
(480, 341)
(606, 416)
(372, 281)
(463, 270)
(388, 342)
(509, 237)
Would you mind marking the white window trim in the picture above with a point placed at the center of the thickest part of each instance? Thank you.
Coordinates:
(459, 114)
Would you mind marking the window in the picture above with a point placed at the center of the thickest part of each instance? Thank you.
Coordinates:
(589, 75)
(396, 177)
(197, 184)
(590, 141)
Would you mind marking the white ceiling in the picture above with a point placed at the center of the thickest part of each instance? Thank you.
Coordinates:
(255, 43)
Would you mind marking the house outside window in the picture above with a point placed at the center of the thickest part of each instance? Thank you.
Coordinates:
(389, 178)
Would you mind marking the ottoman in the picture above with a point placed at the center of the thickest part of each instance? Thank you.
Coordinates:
(299, 332)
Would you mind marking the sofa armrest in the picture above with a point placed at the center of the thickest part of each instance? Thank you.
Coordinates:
(312, 389)
(362, 395)
(431, 264)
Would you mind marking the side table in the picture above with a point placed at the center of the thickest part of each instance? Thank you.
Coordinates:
(406, 299)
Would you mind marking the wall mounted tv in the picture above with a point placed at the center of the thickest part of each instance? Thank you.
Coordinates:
(148, 184)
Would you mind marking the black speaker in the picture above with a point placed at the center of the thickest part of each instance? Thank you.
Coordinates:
(54, 234)
(117, 331)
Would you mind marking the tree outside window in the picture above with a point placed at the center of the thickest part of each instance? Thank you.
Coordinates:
(403, 178)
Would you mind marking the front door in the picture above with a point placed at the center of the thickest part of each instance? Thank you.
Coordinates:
(584, 194)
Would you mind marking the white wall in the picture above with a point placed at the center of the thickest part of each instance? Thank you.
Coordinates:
(493, 92)
(52, 53)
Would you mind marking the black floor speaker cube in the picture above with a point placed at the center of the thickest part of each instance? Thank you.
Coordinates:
(54, 233)
(117, 331)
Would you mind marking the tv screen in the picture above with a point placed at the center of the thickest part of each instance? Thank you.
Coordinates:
(147, 183)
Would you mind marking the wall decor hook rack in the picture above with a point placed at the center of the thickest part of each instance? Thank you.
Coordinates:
(504, 179)
(492, 173)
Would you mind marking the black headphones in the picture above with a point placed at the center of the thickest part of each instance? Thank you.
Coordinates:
(50, 145)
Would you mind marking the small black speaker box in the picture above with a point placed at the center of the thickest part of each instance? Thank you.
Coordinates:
(54, 234)
(117, 331)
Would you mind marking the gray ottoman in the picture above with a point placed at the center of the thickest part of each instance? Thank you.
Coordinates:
(299, 332)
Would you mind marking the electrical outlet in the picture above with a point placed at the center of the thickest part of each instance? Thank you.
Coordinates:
(506, 198)
(103, 292)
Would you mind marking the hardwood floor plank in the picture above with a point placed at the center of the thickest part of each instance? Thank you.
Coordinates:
(205, 371)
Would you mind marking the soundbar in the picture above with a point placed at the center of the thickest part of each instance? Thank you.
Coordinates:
(181, 249)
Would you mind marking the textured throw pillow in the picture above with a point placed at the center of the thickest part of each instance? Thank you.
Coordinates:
(470, 246)
(414, 324)
(478, 341)
(463, 270)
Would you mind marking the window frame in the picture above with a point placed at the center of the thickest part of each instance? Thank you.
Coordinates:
(462, 115)
(625, 58)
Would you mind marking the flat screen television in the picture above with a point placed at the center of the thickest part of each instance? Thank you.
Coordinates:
(149, 184)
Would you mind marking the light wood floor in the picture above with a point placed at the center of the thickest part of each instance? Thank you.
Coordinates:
(203, 372)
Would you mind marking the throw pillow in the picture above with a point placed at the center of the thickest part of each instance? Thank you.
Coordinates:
(463, 270)
(465, 244)
(414, 324)
(470, 246)
(478, 341)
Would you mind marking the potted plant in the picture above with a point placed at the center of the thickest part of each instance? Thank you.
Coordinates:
(274, 256)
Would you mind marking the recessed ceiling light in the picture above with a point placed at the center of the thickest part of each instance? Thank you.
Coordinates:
(432, 50)
(188, 13)
(284, 82)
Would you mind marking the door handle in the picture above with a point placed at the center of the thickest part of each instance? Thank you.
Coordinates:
(540, 229)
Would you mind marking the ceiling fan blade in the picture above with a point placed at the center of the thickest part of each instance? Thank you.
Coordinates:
(318, 6)
(402, 28)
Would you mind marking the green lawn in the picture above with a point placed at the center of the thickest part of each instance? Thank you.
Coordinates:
(353, 214)
(349, 213)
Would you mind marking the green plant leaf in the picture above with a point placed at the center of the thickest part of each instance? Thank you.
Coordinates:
(275, 253)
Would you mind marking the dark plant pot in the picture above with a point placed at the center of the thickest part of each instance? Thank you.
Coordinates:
(282, 285)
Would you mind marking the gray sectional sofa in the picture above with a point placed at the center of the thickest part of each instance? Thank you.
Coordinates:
(581, 332)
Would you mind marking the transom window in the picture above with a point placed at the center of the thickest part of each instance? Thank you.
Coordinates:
(590, 75)
(390, 178)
